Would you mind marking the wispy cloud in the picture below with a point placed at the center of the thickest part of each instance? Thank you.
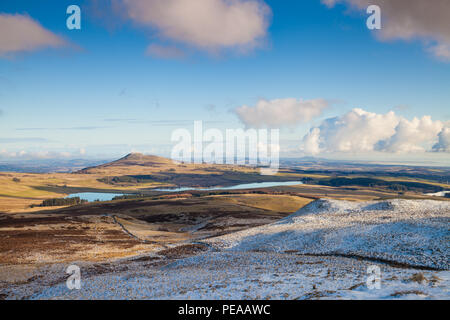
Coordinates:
(401, 107)
(25, 155)
(20, 33)
(164, 52)
(411, 19)
(121, 120)
(158, 122)
(18, 140)
(68, 128)
(212, 110)
(281, 112)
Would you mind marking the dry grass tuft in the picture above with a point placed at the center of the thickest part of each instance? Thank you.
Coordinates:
(419, 278)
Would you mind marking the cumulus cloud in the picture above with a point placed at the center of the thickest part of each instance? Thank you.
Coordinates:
(164, 52)
(443, 144)
(412, 19)
(205, 24)
(20, 33)
(362, 131)
(409, 135)
(311, 142)
(280, 112)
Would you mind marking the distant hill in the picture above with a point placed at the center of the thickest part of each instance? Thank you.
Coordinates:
(131, 163)
(138, 169)
(139, 157)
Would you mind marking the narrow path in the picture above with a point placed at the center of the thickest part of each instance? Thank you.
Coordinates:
(163, 246)
(127, 231)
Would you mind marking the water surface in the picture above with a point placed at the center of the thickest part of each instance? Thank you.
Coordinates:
(94, 196)
(254, 185)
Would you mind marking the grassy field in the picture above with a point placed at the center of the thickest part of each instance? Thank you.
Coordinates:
(140, 174)
(21, 190)
(152, 222)
(279, 203)
(111, 230)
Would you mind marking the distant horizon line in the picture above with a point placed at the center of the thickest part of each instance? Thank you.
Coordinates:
(415, 163)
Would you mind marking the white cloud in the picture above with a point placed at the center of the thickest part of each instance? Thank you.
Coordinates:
(409, 135)
(6, 154)
(280, 112)
(441, 51)
(22, 154)
(443, 144)
(21, 33)
(359, 131)
(311, 142)
(206, 24)
(411, 19)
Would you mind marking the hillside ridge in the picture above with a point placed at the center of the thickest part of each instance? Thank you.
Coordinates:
(413, 232)
(131, 159)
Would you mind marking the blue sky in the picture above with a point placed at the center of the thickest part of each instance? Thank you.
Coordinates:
(100, 94)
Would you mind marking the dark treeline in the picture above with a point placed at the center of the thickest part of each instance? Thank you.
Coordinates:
(427, 174)
(200, 193)
(399, 186)
(62, 202)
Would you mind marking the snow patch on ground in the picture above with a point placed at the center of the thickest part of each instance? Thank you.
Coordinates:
(308, 255)
(438, 194)
(256, 275)
(413, 232)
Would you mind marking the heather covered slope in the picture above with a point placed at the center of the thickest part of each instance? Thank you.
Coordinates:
(323, 251)
(411, 232)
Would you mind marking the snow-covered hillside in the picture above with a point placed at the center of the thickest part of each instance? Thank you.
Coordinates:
(413, 232)
(308, 255)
